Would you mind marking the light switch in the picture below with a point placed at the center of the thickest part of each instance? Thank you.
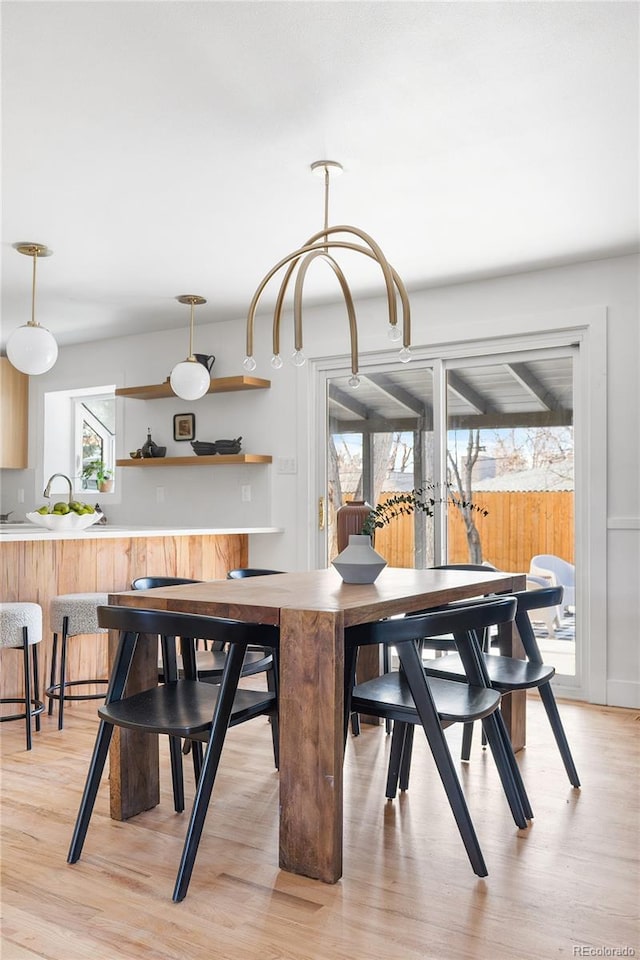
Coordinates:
(287, 465)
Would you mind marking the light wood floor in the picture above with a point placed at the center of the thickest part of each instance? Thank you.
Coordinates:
(569, 881)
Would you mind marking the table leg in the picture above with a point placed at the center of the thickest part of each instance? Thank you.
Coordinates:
(311, 743)
(134, 782)
(514, 705)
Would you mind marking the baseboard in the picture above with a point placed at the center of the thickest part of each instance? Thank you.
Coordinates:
(623, 693)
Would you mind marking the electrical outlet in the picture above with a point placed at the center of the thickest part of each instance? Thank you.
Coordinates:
(20, 495)
(287, 465)
(159, 494)
(245, 493)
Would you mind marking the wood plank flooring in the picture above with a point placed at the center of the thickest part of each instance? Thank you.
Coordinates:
(568, 882)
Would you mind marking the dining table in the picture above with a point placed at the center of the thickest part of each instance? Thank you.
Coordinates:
(312, 610)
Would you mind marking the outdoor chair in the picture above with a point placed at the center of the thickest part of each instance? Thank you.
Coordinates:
(182, 707)
(557, 572)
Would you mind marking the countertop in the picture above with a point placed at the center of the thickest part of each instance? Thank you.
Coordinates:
(10, 532)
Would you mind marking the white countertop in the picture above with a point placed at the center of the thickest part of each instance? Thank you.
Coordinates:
(10, 532)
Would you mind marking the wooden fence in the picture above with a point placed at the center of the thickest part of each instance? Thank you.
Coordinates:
(519, 525)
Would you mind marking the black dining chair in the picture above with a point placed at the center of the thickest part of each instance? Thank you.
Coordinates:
(210, 664)
(182, 707)
(409, 698)
(508, 674)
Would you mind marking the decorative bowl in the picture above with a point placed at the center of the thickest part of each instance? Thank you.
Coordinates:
(228, 446)
(64, 521)
(203, 449)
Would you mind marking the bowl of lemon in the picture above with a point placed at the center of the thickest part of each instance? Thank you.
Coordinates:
(63, 516)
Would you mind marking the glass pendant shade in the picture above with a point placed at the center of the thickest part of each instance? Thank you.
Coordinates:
(32, 349)
(190, 379)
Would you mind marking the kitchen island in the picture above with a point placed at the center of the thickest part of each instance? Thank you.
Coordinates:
(38, 564)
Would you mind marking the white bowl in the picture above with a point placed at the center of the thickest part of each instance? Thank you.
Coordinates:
(64, 521)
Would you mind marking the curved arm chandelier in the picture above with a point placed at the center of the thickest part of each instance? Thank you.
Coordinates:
(319, 246)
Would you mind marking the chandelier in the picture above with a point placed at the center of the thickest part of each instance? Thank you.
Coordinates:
(322, 245)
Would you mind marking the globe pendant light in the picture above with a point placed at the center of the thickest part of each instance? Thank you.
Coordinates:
(190, 379)
(323, 245)
(31, 348)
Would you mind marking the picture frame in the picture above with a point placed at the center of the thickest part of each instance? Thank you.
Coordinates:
(184, 426)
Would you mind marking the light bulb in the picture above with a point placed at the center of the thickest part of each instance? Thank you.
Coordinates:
(394, 332)
(249, 364)
(405, 355)
(276, 361)
(32, 349)
(298, 358)
(354, 381)
(190, 380)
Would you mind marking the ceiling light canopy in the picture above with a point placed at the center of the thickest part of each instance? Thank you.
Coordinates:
(31, 348)
(321, 245)
(190, 379)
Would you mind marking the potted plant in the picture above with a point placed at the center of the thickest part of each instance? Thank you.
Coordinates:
(422, 499)
(99, 470)
(359, 562)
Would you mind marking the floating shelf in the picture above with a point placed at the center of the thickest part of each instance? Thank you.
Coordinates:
(157, 391)
(217, 460)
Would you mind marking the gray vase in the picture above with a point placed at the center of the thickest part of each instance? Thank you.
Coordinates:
(359, 562)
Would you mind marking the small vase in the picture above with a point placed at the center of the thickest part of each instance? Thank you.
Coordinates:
(359, 562)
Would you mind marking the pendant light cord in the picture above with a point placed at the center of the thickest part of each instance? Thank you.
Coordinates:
(190, 357)
(33, 291)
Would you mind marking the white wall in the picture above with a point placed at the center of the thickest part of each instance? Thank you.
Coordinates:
(280, 422)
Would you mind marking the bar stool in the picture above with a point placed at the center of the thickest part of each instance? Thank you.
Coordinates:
(72, 615)
(21, 628)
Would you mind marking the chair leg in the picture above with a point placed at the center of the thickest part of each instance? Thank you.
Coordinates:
(52, 678)
(405, 763)
(395, 758)
(508, 771)
(27, 683)
(467, 739)
(177, 778)
(438, 745)
(550, 705)
(36, 684)
(272, 687)
(386, 666)
(98, 760)
(210, 765)
(63, 671)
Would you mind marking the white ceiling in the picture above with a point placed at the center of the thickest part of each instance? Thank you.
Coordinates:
(162, 148)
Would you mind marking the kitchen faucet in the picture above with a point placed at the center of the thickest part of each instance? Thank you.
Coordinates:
(47, 489)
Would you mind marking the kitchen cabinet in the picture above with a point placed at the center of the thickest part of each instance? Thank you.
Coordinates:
(14, 416)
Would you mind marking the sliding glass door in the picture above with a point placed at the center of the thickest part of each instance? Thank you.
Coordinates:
(494, 435)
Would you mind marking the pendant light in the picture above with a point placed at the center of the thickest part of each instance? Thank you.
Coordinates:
(190, 379)
(320, 245)
(31, 348)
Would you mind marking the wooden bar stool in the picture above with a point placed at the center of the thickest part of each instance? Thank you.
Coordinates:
(21, 628)
(72, 615)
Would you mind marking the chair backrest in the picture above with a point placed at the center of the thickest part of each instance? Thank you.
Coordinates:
(150, 583)
(189, 627)
(563, 571)
(243, 572)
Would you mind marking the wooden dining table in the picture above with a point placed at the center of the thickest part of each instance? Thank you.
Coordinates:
(312, 610)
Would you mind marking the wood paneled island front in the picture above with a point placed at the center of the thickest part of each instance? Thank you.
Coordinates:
(36, 565)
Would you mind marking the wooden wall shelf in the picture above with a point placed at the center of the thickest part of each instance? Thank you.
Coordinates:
(217, 460)
(157, 391)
